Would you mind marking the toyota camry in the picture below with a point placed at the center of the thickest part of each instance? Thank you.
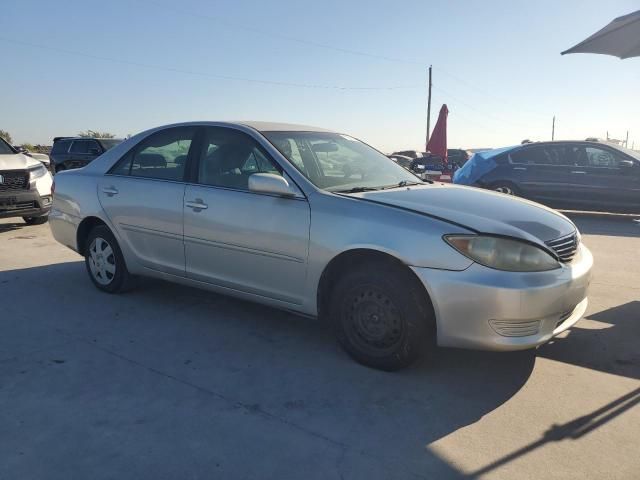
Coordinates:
(319, 223)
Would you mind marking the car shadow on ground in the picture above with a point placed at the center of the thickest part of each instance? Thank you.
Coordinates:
(264, 360)
(611, 347)
(8, 227)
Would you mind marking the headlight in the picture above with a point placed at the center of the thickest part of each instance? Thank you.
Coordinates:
(503, 253)
(37, 172)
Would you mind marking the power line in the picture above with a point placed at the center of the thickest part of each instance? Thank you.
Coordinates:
(484, 114)
(487, 93)
(271, 33)
(207, 75)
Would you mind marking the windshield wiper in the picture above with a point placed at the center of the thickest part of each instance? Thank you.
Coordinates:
(358, 190)
(403, 183)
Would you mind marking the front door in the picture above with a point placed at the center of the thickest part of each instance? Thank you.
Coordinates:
(234, 238)
(605, 181)
(143, 197)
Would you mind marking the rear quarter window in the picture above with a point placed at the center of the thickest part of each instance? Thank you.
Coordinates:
(61, 146)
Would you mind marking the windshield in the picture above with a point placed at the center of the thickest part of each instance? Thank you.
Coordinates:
(5, 148)
(339, 163)
(109, 143)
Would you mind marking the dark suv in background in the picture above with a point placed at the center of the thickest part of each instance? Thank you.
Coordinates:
(76, 152)
(562, 174)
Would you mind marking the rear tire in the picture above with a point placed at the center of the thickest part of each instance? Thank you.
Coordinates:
(507, 188)
(105, 262)
(382, 316)
(36, 220)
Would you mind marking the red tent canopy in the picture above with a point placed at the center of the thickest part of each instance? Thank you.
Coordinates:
(438, 140)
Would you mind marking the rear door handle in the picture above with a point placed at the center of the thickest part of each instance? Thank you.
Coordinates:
(578, 172)
(196, 204)
(111, 191)
(519, 168)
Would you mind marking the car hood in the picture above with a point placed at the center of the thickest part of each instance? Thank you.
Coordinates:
(479, 210)
(17, 161)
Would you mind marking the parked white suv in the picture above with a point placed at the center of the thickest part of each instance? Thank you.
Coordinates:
(25, 186)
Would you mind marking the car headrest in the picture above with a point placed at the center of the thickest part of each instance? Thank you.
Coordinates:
(150, 160)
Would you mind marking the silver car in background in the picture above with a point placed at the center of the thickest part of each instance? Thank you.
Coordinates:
(321, 224)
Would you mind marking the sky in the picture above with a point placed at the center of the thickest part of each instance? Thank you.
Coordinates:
(358, 67)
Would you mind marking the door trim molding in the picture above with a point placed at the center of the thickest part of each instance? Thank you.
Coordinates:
(151, 231)
(240, 248)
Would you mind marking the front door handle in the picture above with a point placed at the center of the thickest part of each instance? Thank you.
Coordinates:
(579, 172)
(519, 168)
(196, 204)
(111, 191)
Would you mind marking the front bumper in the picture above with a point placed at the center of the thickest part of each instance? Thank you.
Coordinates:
(493, 310)
(24, 203)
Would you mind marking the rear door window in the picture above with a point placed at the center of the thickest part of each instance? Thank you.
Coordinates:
(162, 156)
(531, 156)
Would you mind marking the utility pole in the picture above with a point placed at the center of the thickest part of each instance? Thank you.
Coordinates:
(428, 111)
(626, 142)
(553, 128)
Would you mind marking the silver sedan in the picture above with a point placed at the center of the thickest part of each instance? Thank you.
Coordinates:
(319, 223)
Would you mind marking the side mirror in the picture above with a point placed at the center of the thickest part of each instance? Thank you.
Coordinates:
(626, 163)
(270, 183)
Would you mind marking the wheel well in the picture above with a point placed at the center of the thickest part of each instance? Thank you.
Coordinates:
(503, 182)
(84, 228)
(352, 259)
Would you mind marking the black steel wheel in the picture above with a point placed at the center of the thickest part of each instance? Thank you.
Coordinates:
(382, 316)
(375, 323)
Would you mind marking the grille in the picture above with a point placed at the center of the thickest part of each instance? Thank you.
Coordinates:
(14, 180)
(565, 247)
(18, 206)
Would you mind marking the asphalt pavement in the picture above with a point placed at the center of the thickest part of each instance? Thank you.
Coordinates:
(168, 382)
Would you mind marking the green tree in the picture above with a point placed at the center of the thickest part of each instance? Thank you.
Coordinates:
(7, 136)
(96, 134)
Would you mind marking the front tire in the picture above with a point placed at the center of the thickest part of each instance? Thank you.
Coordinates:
(382, 316)
(105, 262)
(36, 220)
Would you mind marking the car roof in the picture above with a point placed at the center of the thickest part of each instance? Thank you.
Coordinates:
(56, 139)
(557, 142)
(280, 127)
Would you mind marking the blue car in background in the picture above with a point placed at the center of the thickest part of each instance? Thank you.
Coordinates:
(562, 174)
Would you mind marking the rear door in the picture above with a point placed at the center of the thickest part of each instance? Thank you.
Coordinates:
(143, 196)
(540, 173)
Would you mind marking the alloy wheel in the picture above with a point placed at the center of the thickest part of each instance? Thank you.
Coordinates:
(505, 189)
